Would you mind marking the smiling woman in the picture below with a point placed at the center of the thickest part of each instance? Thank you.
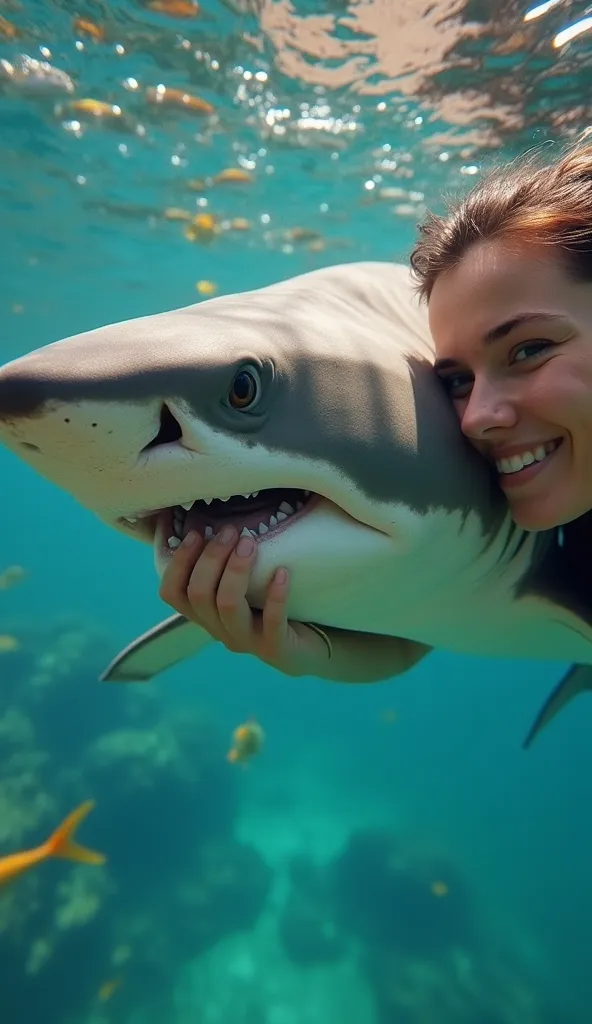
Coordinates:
(515, 257)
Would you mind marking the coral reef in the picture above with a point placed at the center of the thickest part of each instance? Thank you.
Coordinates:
(307, 927)
(80, 939)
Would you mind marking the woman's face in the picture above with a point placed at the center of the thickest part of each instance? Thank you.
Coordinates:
(513, 337)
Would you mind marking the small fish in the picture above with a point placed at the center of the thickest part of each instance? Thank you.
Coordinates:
(89, 28)
(179, 99)
(8, 643)
(248, 740)
(439, 888)
(232, 175)
(202, 228)
(11, 576)
(206, 287)
(175, 8)
(96, 108)
(109, 988)
(60, 844)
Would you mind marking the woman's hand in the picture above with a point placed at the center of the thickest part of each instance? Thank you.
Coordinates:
(207, 583)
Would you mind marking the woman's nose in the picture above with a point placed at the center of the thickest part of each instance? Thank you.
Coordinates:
(487, 408)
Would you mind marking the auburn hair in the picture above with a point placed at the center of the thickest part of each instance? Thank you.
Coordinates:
(531, 201)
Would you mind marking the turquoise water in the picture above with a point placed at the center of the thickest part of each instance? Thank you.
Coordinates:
(300, 890)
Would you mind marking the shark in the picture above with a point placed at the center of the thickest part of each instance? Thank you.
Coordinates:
(306, 412)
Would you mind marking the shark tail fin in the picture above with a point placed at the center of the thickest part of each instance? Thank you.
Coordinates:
(575, 681)
(62, 844)
(169, 643)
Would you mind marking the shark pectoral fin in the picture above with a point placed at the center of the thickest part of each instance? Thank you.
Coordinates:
(167, 644)
(577, 679)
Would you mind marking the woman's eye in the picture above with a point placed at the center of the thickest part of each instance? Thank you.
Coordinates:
(530, 350)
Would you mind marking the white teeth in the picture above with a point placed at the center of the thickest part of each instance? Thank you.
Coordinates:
(273, 521)
(254, 494)
(227, 498)
(245, 532)
(130, 519)
(254, 534)
(173, 542)
(281, 516)
(517, 462)
(208, 501)
(284, 507)
(263, 528)
(246, 495)
(208, 532)
(187, 505)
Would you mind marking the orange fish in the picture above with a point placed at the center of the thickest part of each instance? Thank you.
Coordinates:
(60, 844)
(248, 740)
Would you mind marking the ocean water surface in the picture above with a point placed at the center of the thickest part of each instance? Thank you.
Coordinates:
(391, 856)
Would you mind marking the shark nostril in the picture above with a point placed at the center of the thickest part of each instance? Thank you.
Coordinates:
(169, 429)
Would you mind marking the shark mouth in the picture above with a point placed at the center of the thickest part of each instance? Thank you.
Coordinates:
(260, 514)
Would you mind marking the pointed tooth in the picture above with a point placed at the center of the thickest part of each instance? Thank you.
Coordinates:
(284, 507)
(272, 522)
(173, 542)
(246, 495)
(281, 516)
(245, 532)
(130, 519)
(187, 505)
(254, 494)
(208, 532)
(227, 498)
(263, 528)
(208, 501)
(254, 534)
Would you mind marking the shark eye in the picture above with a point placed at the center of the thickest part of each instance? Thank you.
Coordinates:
(244, 390)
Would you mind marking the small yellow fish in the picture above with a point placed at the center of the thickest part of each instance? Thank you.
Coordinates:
(232, 175)
(108, 988)
(60, 844)
(206, 287)
(202, 228)
(248, 740)
(178, 98)
(11, 576)
(8, 643)
(96, 108)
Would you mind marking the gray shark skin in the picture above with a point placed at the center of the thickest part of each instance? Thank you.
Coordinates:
(405, 532)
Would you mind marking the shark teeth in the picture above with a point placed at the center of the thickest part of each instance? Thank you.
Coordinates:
(269, 521)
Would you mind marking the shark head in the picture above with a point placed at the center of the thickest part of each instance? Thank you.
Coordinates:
(306, 412)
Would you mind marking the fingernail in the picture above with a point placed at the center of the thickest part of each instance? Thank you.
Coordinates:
(281, 576)
(191, 539)
(245, 547)
(227, 534)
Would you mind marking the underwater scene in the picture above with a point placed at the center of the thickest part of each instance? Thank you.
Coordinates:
(258, 848)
